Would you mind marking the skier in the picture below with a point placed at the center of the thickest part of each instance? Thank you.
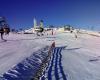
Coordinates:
(75, 33)
(4, 27)
(52, 32)
(2, 33)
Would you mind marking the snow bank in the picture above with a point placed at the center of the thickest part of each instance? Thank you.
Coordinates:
(22, 51)
(93, 33)
(26, 69)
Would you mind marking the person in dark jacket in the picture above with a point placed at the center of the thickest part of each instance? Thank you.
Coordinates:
(2, 32)
(6, 29)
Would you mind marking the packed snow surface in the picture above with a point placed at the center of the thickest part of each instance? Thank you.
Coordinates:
(17, 48)
(80, 57)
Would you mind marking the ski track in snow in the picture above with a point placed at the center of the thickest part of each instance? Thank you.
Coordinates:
(55, 69)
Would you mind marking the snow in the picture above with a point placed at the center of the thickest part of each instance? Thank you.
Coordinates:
(17, 48)
(90, 32)
(80, 57)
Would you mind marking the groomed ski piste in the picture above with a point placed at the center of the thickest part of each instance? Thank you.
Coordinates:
(31, 57)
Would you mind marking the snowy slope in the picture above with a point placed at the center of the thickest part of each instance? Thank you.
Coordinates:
(17, 48)
(80, 57)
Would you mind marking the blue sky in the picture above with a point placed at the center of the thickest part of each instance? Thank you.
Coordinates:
(78, 13)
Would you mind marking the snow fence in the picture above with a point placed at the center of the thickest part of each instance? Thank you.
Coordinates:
(30, 68)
